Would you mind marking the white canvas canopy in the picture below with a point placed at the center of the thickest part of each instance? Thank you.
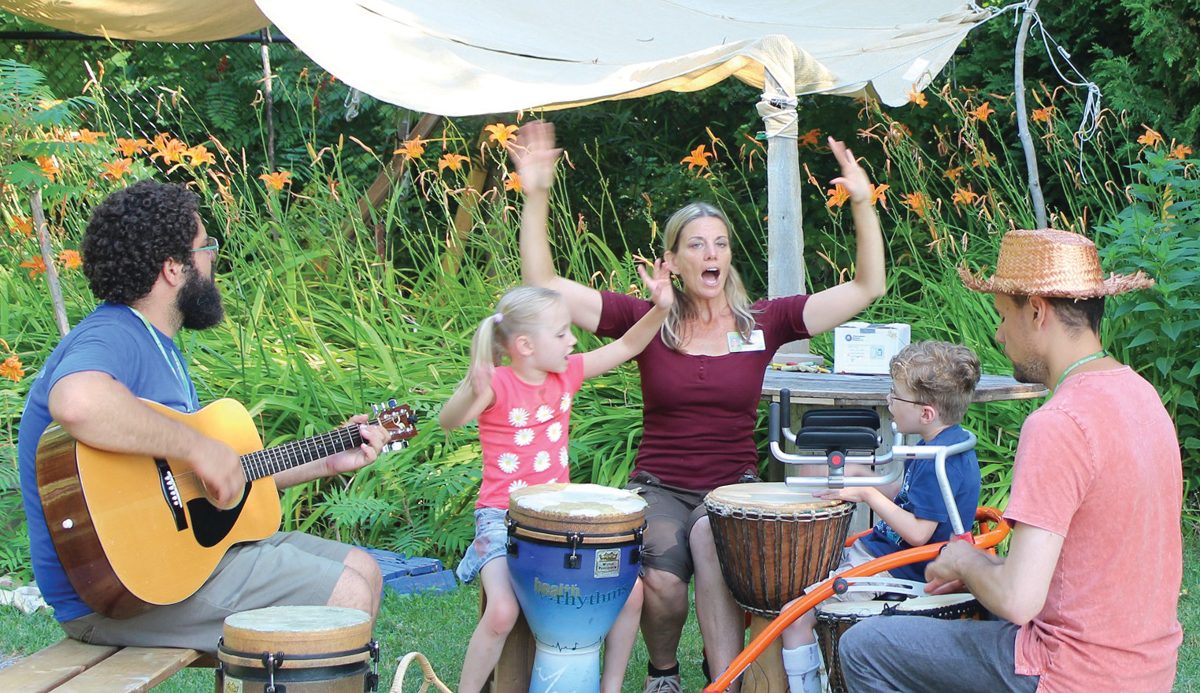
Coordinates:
(470, 57)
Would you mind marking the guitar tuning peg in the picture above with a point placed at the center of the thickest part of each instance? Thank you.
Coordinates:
(375, 408)
(391, 403)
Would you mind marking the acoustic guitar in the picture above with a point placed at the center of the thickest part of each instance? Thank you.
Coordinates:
(134, 532)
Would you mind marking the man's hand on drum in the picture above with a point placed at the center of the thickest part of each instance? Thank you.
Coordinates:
(942, 575)
(535, 156)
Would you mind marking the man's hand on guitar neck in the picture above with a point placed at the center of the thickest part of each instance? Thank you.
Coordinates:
(374, 437)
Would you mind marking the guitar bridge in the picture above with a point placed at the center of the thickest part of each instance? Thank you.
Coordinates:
(170, 490)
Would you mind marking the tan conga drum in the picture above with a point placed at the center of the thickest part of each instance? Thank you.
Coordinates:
(773, 542)
(303, 649)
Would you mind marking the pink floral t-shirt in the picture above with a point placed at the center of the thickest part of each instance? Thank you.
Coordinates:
(524, 432)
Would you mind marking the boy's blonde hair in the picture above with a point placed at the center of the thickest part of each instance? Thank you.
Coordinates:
(520, 311)
(683, 309)
(941, 374)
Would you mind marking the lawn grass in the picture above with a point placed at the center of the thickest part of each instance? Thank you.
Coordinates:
(440, 626)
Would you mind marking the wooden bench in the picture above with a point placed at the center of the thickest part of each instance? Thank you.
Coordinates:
(72, 666)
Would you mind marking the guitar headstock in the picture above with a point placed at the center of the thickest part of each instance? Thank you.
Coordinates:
(400, 422)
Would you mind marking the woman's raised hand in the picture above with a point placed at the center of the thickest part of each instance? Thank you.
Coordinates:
(535, 156)
(854, 179)
(658, 285)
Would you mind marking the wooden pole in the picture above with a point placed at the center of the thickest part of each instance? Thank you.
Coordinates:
(1031, 166)
(43, 234)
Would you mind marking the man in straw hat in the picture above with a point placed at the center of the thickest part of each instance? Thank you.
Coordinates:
(1086, 597)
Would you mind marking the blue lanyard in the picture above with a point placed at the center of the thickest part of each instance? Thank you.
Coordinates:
(173, 361)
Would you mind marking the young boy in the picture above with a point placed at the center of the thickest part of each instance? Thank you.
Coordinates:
(932, 384)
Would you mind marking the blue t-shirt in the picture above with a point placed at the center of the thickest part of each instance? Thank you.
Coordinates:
(112, 340)
(920, 495)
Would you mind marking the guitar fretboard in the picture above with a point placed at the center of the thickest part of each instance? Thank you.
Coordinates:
(272, 460)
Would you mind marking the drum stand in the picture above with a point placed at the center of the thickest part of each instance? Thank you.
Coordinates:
(832, 438)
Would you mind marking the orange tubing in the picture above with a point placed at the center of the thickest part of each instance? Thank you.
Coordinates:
(993, 530)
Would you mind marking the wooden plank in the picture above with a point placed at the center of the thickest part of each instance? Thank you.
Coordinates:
(132, 670)
(765, 674)
(47, 668)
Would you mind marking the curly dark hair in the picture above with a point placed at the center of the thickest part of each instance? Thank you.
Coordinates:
(132, 232)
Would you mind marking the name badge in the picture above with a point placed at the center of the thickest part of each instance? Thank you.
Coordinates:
(756, 342)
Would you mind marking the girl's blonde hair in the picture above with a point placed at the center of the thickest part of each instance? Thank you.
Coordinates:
(520, 311)
(684, 308)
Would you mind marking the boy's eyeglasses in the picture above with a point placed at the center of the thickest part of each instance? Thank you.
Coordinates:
(891, 397)
(210, 243)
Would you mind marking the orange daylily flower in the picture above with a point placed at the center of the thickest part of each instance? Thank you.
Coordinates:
(116, 170)
(1181, 151)
(879, 194)
(917, 202)
(413, 149)
(983, 159)
(964, 196)
(953, 173)
(513, 182)
(88, 137)
(22, 225)
(918, 98)
(697, 159)
(275, 181)
(453, 162)
(810, 138)
(1150, 138)
(49, 166)
(500, 133)
(70, 259)
(35, 266)
(837, 196)
(12, 368)
(199, 155)
(1043, 115)
(168, 149)
(131, 147)
(983, 111)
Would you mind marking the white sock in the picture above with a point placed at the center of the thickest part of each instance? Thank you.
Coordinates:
(803, 667)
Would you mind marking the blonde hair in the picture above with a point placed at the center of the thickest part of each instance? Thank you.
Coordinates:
(940, 374)
(521, 311)
(684, 308)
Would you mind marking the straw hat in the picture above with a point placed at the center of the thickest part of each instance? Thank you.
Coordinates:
(1047, 262)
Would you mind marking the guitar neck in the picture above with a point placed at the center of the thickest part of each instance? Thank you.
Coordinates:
(273, 460)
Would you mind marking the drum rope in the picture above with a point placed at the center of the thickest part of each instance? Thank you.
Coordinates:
(430, 678)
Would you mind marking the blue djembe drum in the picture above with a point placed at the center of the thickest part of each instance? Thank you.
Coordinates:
(573, 553)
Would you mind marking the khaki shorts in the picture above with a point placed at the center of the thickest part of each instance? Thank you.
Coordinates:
(670, 514)
(285, 569)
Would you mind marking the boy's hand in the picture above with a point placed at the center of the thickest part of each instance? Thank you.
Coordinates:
(854, 179)
(854, 494)
(535, 156)
(658, 286)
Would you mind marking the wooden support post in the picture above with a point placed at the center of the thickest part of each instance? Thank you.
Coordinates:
(766, 674)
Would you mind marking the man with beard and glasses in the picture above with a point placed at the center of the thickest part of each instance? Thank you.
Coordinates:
(1086, 596)
(150, 262)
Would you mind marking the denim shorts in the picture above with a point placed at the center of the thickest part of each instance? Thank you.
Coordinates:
(491, 541)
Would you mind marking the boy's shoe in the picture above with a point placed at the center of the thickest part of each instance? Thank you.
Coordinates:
(663, 684)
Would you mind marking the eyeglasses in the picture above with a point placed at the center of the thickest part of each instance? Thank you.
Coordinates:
(210, 243)
(891, 397)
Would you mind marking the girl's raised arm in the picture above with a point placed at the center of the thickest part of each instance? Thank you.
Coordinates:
(535, 157)
(474, 394)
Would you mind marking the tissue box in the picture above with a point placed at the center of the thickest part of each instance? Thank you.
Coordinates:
(866, 348)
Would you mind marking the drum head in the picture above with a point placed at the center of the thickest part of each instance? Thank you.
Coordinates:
(584, 508)
(297, 630)
(771, 497)
(850, 611)
(937, 603)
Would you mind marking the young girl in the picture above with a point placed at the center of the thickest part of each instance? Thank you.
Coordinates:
(524, 409)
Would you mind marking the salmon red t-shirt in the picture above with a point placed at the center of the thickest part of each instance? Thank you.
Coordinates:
(524, 432)
(1099, 465)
